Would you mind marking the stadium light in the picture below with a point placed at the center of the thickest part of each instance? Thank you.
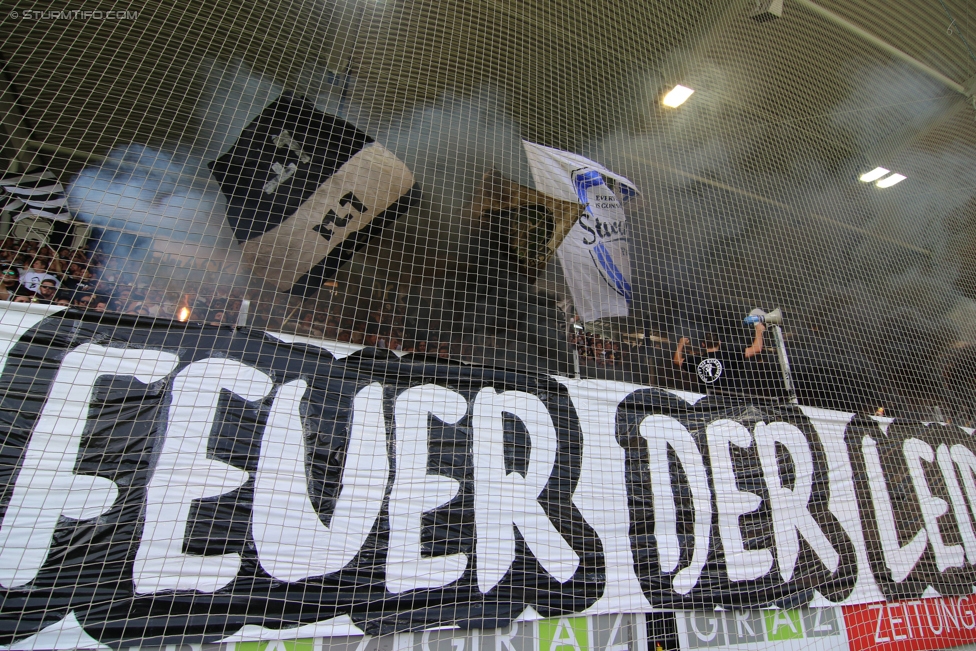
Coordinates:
(677, 96)
(873, 175)
(889, 181)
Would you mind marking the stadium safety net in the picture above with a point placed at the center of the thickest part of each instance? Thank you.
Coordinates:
(389, 325)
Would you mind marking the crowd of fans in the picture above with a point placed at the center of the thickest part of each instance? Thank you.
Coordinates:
(388, 316)
(35, 272)
(418, 319)
(593, 346)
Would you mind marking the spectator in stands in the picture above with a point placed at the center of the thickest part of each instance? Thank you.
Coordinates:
(66, 256)
(31, 277)
(8, 250)
(79, 279)
(10, 284)
(717, 369)
(50, 256)
(82, 300)
(216, 317)
(46, 291)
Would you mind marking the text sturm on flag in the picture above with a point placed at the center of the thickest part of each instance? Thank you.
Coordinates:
(595, 255)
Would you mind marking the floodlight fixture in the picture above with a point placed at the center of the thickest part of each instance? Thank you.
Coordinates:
(889, 181)
(677, 96)
(873, 175)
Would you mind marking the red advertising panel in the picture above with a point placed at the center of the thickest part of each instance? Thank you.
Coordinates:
(911, 625)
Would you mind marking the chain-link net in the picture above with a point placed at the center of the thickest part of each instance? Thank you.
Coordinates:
(457, 326)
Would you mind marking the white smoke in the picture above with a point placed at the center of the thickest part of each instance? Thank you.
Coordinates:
(162, 218)
(231, 98)
(732, 218)
(450, 146)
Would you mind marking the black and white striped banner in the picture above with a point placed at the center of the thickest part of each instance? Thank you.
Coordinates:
(38, 194)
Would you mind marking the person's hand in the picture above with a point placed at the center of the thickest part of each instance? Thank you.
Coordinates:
(760, 328)
(684, 341)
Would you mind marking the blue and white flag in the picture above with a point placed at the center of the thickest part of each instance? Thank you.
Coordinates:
(596, 252)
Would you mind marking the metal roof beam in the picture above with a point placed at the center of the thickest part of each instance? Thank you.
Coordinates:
(881, 44)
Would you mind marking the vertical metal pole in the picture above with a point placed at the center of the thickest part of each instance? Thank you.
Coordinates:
(570, 335)
(243, 314)
(784, 362)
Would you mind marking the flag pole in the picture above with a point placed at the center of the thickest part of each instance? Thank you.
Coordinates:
(784, 363)
(570, 327)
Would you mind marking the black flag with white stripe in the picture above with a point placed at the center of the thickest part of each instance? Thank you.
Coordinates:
(37, 194)
(305, 190)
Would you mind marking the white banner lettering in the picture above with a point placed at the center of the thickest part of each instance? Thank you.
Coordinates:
(185, 473)
(291, 540)
(505, 498)
(47, 487)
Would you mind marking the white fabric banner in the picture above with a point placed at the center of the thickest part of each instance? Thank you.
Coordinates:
(595, 255)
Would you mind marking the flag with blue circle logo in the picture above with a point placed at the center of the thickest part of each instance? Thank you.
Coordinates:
(595, 255)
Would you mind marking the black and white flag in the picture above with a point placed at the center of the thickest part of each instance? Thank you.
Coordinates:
(40, 185)
(305, 190)
(38, 194)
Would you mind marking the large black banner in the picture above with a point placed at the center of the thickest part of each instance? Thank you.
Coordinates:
(166, 483)
(758, 480)
(915, 490)
(169, 445)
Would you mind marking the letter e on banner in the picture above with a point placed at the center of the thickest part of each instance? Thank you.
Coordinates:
(959, 508)
(933, 507)
(741, 564)
(415, 492)
(185, 473)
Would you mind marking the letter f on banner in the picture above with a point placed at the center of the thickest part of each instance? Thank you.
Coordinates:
(47, 487)
(503, 499)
